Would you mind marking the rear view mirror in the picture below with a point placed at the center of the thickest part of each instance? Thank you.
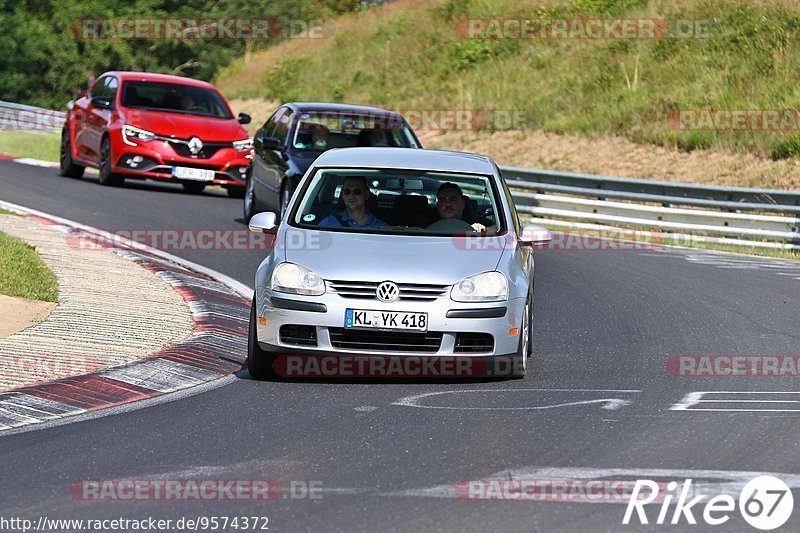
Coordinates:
(532, 235)
(272, 143)
(244, 118)
(263, 223)
(101, 102)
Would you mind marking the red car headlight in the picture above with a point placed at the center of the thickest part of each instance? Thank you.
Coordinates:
(245, 145)
(131, 134)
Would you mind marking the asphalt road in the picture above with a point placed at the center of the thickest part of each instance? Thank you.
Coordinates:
(598, 398)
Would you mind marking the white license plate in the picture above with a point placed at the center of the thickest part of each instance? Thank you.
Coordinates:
(363, 318)
(197, 174)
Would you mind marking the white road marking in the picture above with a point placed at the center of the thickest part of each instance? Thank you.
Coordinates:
(711, 482)
(690, 400)
(35, 162)
(365, 408)
(607, 403)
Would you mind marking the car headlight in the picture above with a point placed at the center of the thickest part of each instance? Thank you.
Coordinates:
(294, 279)
(130, 134)
(245, 145)
(486, 287)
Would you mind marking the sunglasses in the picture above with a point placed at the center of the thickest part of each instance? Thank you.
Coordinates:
(356, 192)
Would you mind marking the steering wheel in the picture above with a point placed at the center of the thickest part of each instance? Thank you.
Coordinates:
(450, 225)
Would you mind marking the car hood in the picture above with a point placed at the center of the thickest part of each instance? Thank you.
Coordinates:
(400, 258)
(186, 126)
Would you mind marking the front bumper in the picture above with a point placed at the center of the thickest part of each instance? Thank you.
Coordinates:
(158, 158)
(446, 318)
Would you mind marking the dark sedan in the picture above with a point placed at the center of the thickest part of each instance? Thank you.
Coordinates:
(297, 133)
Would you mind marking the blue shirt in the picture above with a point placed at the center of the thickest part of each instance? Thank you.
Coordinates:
(331, 222)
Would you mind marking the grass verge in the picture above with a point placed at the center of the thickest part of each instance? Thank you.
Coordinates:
(24, 273)
(413, 55)
(43, 146)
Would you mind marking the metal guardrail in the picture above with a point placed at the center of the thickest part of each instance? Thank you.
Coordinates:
(736, 198)
(18, 117)
(737, 216)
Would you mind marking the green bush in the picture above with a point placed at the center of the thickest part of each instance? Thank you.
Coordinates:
(787, 148)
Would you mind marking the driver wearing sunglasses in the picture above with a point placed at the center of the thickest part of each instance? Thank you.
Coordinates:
(354, 195)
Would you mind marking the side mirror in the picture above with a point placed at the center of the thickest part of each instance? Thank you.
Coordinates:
(272, 143)
(533, 235)
(263, 223)
(70, 105)
(244, 118)
(101, 102)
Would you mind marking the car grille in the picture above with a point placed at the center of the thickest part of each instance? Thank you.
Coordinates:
(209, 149)
(170, 164)
(473, 343)
(392, 341)
(299, 335)
(366, 290)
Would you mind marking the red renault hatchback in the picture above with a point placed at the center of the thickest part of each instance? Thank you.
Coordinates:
(154, 126)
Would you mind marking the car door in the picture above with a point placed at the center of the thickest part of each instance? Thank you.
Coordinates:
(84, 132)
(524, 253)
(271, 160)
(97, 118)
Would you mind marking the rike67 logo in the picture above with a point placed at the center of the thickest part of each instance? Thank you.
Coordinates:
(765, 503)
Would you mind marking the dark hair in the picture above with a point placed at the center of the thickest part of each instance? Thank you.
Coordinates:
(449, 185)
(360, 179)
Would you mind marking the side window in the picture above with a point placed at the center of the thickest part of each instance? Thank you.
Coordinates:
(269, 125)
(282, 123)
(111, 89)
(99, 87)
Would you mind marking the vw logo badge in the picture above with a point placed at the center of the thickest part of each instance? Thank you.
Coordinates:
(195, 145)
(387, 291)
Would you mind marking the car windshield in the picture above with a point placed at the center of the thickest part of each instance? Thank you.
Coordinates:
(399, 201)
(323, 131)
(174, 98)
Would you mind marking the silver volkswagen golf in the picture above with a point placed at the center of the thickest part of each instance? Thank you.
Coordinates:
(413, 255)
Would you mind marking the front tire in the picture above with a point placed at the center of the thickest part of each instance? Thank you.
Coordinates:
(249, 208)
(519, 363)
(259, 362)
(67, 167)
(106, 160)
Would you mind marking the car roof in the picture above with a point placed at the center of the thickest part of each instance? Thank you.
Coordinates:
(163, 78)
(328, 107)
(407, 158)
